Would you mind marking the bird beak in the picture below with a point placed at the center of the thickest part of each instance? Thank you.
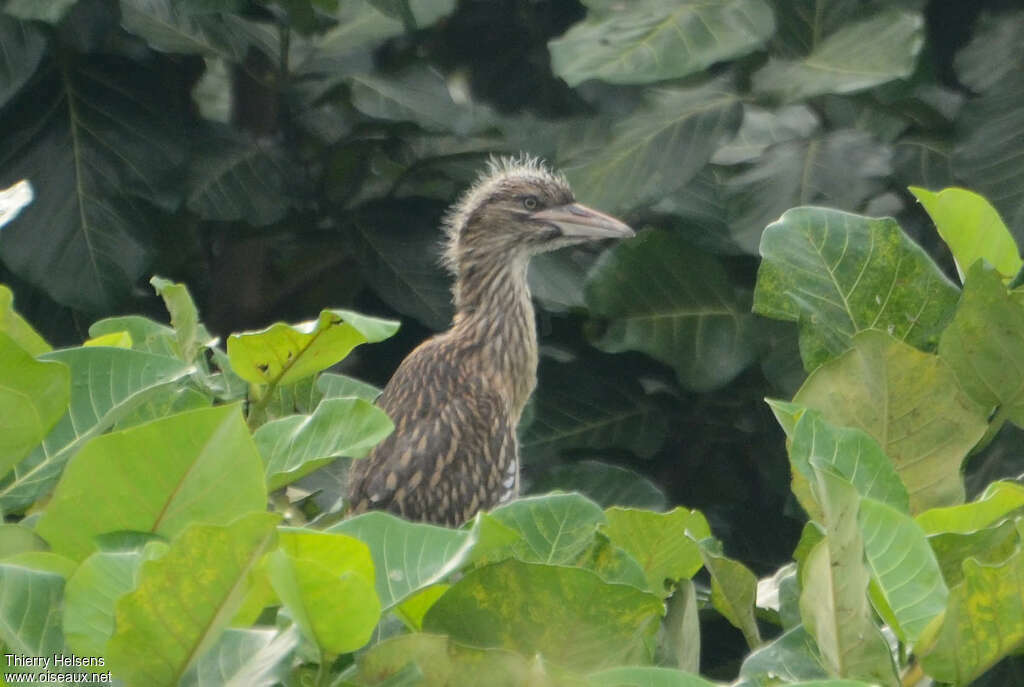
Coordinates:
(577, 221)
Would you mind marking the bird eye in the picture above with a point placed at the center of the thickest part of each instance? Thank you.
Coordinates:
(530, 202)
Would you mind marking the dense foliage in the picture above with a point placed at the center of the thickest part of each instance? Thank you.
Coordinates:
(285, 157)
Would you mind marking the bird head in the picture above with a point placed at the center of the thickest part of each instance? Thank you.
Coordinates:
(518, 208)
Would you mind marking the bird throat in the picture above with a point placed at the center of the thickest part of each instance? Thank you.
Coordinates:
(493, 310)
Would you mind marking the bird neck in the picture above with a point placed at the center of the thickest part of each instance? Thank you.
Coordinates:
(493, 310)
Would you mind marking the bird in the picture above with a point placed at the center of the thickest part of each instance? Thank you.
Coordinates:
(457, 398)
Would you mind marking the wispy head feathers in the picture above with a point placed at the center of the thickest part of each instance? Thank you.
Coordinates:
(501, 174)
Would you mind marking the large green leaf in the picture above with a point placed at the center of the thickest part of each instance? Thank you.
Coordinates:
(645, 676)
(676, 304)
(296, 445)
(576, 406)
(656, 149)
(762, 128)
(905, 570)
(588, 623)
(170, 26)
(398, 251)
(553, 529)
(876, 50)
(15, 326)
(852, 453)
(51, 11)
(33, 397)
(24, 48)
(793, 656)
(607, 485)
(326, 582)
(93, 136)
(30, 603)
(665, 544)
(833, 600)
(842, 168)
(910, 403)
(983, 343)
(983, 623)
(91, 592)
(972, 229)
(245, 658)
(425, 660)
(999, 500)
(733, 590)
(985, 157)
(106, 385)
(649, 40)
(839, 274)
(161, 473)
(419, 94)
(408, 556)
(232, 177)
(185, 599)
(282, 354)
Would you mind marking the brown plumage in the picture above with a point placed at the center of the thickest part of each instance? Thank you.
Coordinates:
(456, 399)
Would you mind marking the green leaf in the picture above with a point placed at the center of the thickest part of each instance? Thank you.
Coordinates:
(793, 656)
(982, 343)
(903, 566)
(167, 26)
(412, 610)
(553, 529)
(972, 229)
(233, 178)
(607, 485)
(425, 660)
(185, 599)
(876, 50)
(984, 622)
(647, 41)
(24, 49)
(999, 500)
(20, 331)
(910, 403)
(588, 622)
(333, 385)
(853, 453)
(296, 445)
(577, 406)
(93, 590)
(30, 613)
(162, 472)
(418, 94)
(33, 397)
(733, 591)
(326, 582)
(665, 544)
(645, 676)
(408, 556)
(184, 317)
(695, 320)
(106, 385)
(763, 128)
(988, 545)
(147, 335)
(94, 136)
(656, 149)
(840, 274)
(50, 11)
(679, 638)
(396, 246)
(982, 159)
(282, 354)
(849, 167)
(833, 601)
(15, 539)
(253, 658)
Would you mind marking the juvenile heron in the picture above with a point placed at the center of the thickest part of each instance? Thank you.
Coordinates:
(456, 399)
